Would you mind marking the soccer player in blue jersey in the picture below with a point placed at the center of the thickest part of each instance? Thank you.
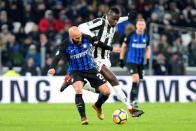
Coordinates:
(81, 67)
(139, 51)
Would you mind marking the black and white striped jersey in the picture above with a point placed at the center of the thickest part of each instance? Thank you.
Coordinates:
(101, 28)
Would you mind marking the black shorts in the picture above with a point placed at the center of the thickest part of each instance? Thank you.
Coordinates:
(136, 69)
(93, 76)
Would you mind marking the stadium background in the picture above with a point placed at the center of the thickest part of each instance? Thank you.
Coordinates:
(32, 30)
(26, 32)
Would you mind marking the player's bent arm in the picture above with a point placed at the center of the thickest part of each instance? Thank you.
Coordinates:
(86, 28)
(94, 41)
(116, 49)
(122, 51)
(55, 62)
(107, 47)
(104, 46)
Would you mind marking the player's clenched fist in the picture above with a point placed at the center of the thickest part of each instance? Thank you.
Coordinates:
(51, 71)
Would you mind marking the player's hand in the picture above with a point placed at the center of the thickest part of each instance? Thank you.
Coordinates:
(132, 15)
(146, 64)
(122, 64)
(116, 49)
(51, 71)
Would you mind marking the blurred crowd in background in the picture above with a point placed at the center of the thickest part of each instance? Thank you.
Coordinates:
(28, 25)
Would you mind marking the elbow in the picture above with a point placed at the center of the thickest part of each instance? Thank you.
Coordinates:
(82, 27)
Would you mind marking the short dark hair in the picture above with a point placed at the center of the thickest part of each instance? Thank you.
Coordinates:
(115, 10)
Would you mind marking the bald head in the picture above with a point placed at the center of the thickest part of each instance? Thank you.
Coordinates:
(75, 35)
(74, 31)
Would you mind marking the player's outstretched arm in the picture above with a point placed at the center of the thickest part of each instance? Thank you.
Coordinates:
(122, 19)
(131, 17)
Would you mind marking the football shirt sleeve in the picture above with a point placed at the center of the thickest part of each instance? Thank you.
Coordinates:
(86, 28)
(122, 19)
(58, 56)
(94, 41)
(126, 39)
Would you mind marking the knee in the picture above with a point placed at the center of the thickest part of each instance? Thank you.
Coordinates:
(135, 78)
(106, 93)
(78, 91)
(105, 90)
(78, 87)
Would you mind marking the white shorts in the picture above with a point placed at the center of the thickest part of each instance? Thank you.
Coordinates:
(100, 62)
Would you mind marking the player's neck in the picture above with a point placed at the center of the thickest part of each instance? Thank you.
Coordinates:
(139, 32)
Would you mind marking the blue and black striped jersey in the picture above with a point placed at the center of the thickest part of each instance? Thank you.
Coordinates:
(78, 55)
(137, 46)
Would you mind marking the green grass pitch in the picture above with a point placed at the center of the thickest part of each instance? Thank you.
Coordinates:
(65, 117)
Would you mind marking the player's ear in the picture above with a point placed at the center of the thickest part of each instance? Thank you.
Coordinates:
(70, 37)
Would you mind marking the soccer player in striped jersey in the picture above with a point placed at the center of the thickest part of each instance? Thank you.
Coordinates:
(81, 67)
(103, 29)
(139, 51)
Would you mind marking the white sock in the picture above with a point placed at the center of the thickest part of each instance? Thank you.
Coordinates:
(88, 87)
(121, 96)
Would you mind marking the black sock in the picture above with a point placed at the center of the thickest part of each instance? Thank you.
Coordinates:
(80, 105)
(101, 100)
(134, 91)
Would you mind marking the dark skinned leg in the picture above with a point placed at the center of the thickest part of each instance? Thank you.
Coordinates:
(109, 76)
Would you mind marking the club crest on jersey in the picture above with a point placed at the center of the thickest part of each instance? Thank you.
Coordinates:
(144, 40)
(84, 46)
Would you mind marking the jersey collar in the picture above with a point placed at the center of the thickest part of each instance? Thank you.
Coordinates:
(107, 20)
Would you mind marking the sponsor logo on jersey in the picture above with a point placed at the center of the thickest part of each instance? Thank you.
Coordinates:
(79, 55)
(138, 45)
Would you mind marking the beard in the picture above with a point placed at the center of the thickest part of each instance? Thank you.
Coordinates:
(75, 42)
